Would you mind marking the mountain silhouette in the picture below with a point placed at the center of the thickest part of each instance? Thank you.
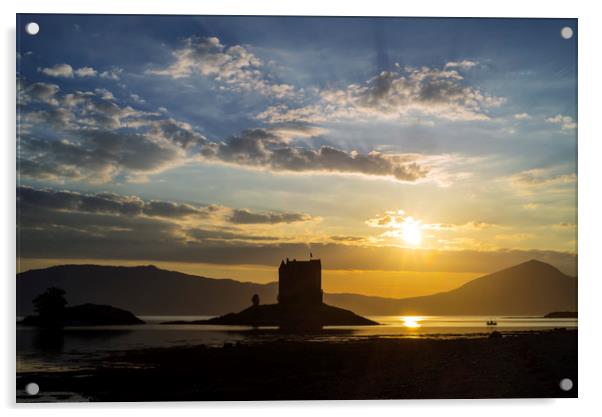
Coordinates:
(530, 288)
(144, 290)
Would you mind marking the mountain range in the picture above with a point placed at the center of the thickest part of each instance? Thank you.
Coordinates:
(530, 288)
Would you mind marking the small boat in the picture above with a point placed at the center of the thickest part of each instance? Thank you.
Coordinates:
(491, 323)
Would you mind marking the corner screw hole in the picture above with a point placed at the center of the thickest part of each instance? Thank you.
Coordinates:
(32, 388)
(566, 384)
(32, 28)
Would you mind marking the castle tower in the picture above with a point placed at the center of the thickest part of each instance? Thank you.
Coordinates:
(300, 282)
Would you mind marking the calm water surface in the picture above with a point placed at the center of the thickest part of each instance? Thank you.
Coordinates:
(82, 347)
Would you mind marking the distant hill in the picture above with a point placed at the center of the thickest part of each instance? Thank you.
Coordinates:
(143, 290)
(531, 288)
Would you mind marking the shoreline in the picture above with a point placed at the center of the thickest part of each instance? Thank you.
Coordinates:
(527, 364)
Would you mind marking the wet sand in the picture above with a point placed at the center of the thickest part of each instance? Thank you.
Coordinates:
(520, 365)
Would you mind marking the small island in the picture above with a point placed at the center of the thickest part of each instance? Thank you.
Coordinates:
(561, 315)
(311, 317)
(300, 305)
(52, 311)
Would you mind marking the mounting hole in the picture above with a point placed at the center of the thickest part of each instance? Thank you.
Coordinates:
(566, 32)
(566, 384)
(32, 28)
(32, 388)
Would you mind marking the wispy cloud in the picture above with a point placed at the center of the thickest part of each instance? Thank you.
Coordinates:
(439, 93)
(264, 150)
(41, 92)
(102, 139)
(565, 122)
(65, 201)
(464, 64)
(522, 116)
(245, 216)
(112, 74)
(539, 177)
(235, 67)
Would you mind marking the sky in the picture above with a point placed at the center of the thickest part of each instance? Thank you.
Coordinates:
(411, 155)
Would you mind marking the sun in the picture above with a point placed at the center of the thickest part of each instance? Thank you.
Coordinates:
(411, 231)
(411, 321)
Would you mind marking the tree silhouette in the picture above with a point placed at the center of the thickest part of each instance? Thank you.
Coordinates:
(255, 300)
(50, 305)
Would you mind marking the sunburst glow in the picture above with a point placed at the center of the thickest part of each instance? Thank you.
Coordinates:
(411, 231)
(411, 321)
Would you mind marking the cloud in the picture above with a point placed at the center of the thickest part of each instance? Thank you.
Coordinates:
(522, 116)
(58, 70)
(105, 203)
(541, 177)
(131, 206)
(88, 136)
(564, 225)
(80, 109)
(516, 237)
(99, 218)
(349, 239)
(55, 116)
(261, 149)
(394, 219)
(244, 216)
(137, 98)
(85, 72)
(296, 130)
(471, 226)
(140, 239)
(235, 67)
(40, 92)
(104, 94)
(566, 122)
(221, 236)
(465, 64)
(69, 224)
(112, 74)
(177, 132)
(406, 93)
(396, 222)
(95, 156)
(391, 219)
(67, 71)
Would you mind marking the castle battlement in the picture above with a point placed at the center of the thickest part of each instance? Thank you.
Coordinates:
(300, 282)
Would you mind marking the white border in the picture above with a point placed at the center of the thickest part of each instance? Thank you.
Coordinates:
(590, 288)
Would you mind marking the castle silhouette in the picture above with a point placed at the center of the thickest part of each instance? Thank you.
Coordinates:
(300, 304)
(300, 282)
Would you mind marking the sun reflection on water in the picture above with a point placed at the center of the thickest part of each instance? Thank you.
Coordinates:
(411, 321)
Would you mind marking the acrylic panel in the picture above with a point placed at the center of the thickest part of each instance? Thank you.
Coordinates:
(295, 208)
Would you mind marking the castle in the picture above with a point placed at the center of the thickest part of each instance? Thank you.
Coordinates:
(300, 307)
(300, 282)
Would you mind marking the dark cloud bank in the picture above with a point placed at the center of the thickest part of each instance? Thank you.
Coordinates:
(85, 136)
(62, 224)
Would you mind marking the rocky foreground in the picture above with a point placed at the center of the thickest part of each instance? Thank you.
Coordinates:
(527, 364)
